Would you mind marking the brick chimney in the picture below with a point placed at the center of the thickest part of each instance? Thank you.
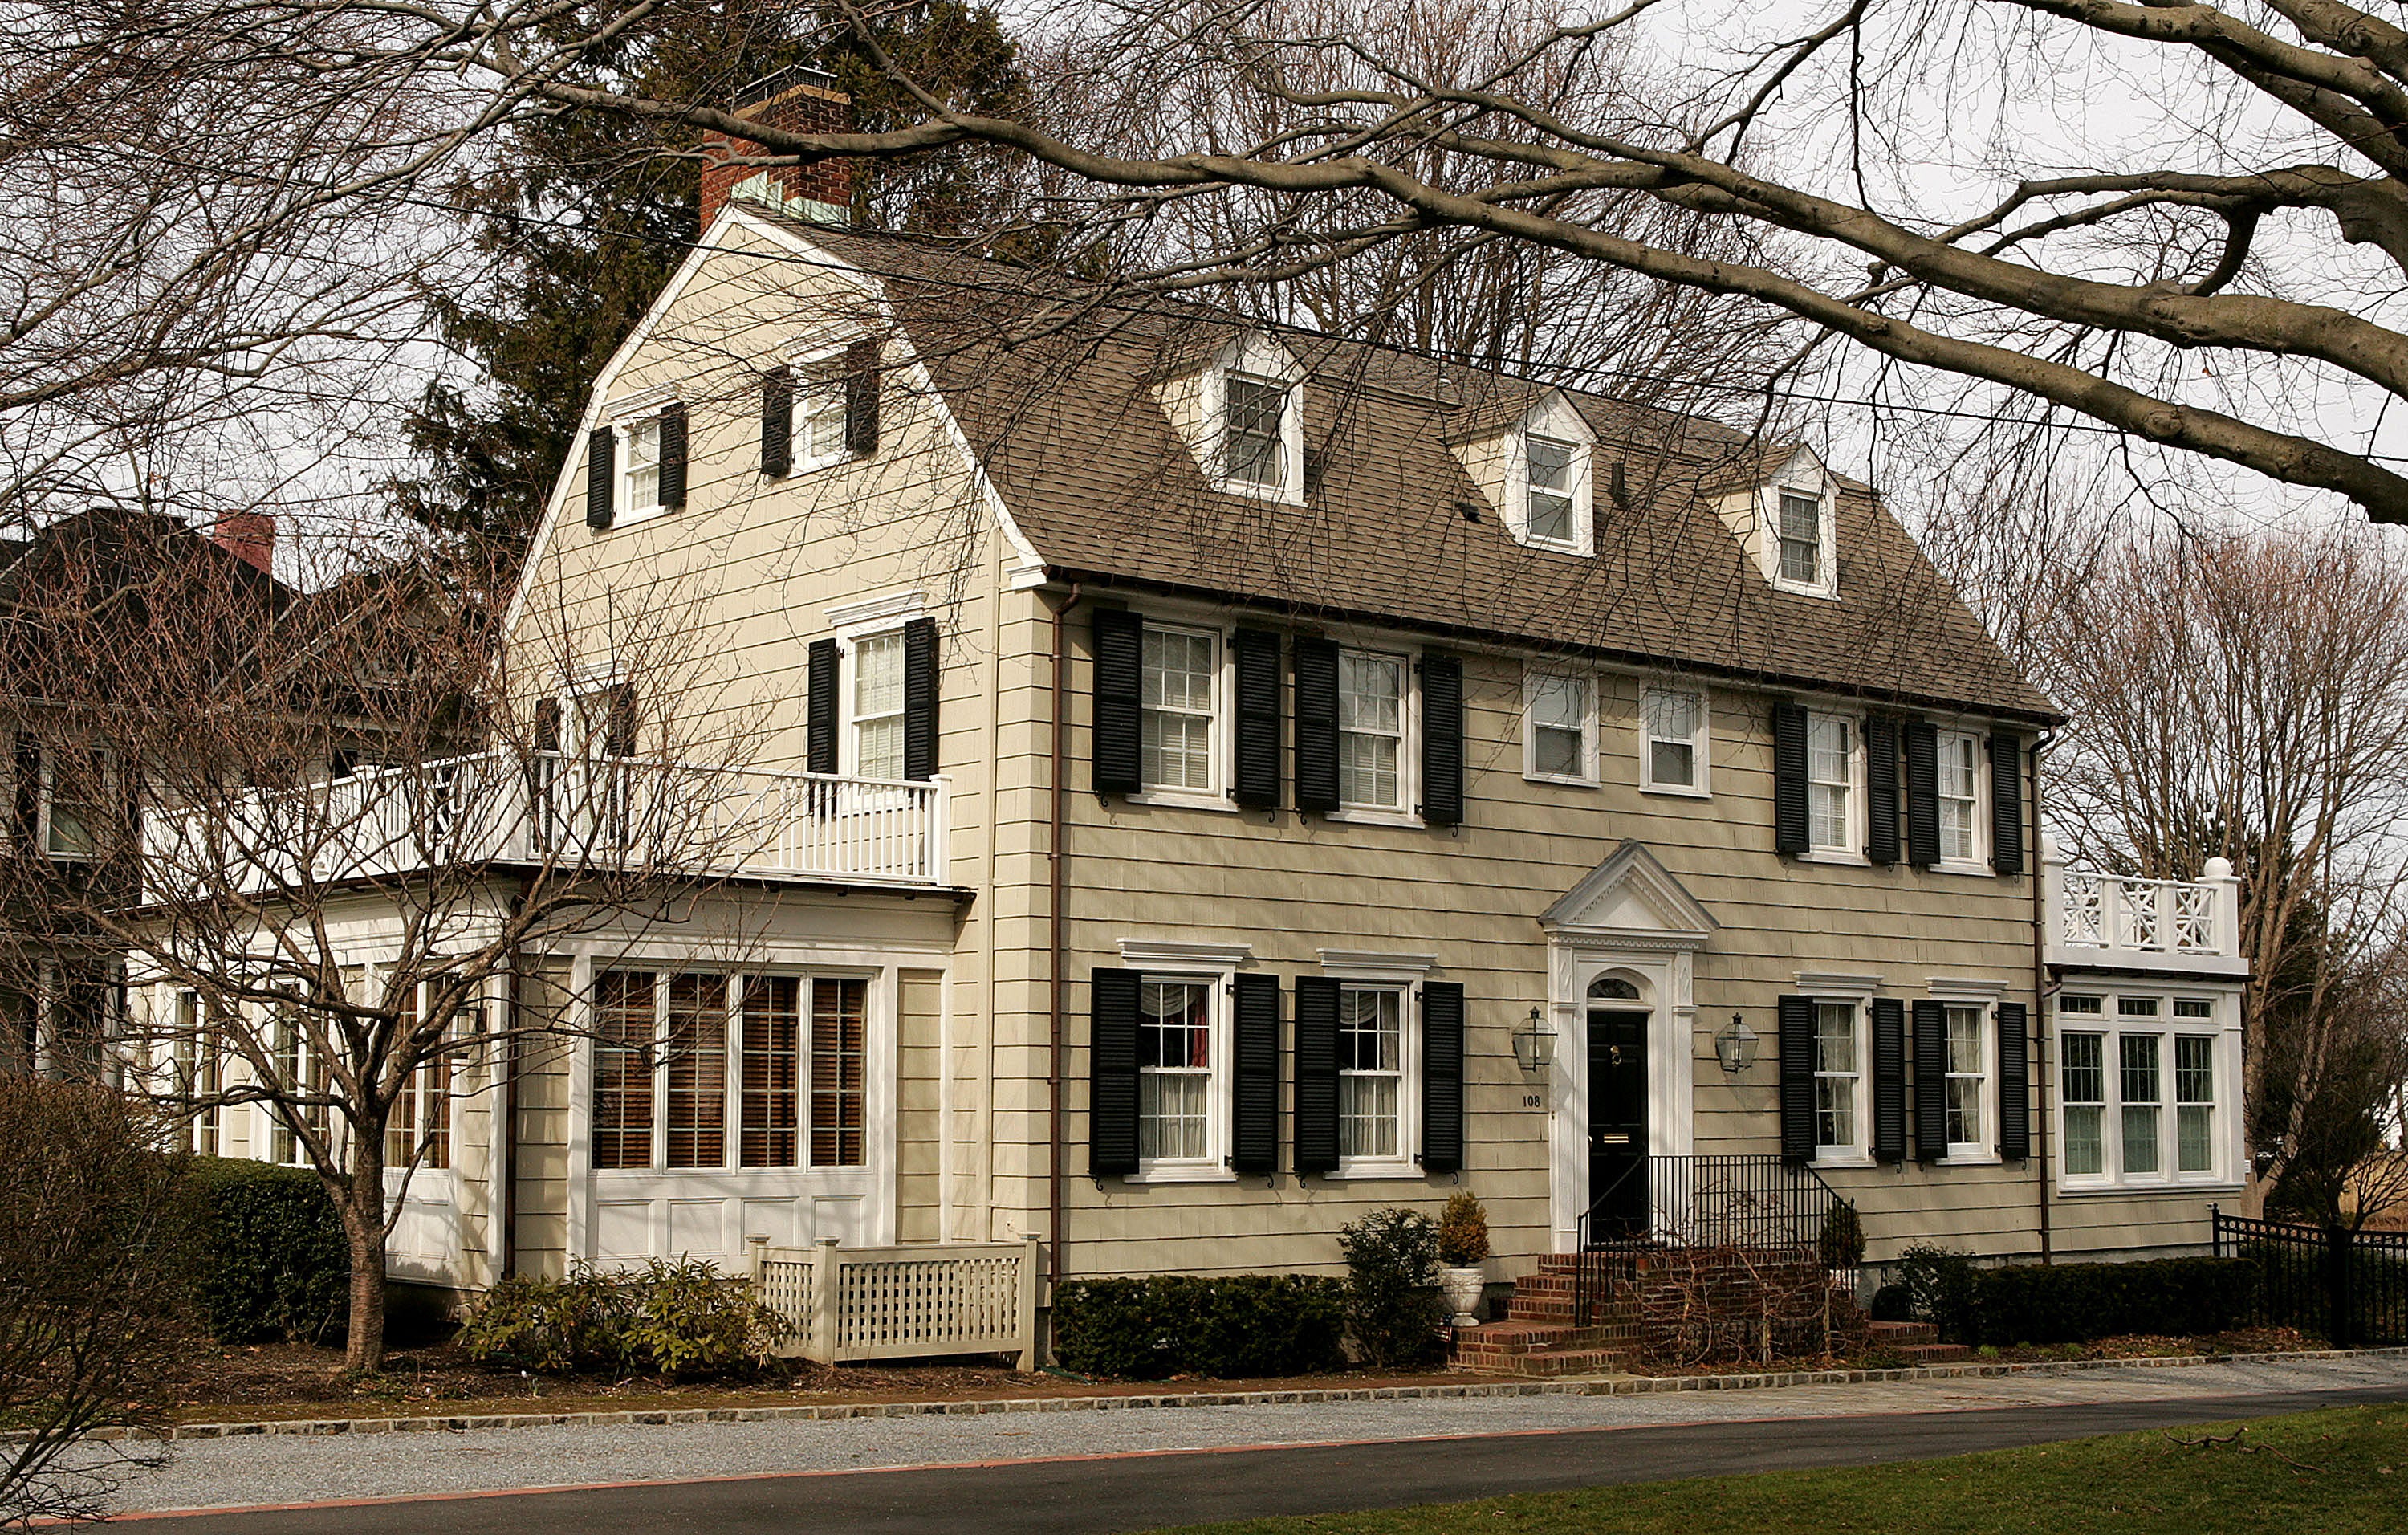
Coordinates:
(248, 537)
(798, 100)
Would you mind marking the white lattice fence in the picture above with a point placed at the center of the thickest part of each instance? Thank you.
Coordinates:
(902, 1302)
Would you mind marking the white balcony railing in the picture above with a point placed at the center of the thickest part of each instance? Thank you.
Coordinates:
(606, 816)
(2118, 922)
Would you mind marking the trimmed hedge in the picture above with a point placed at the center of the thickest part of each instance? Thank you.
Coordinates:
(2075, 1302)
(1240, 1326)
(271, 1260)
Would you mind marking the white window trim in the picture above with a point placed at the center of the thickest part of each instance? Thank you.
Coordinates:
(1223, 732)
(625, 415)
(871, 618)
(1700, 744)
(1980, 862)
(1517, 504)
(1531, 678)
(1854, 852)
(1408, 744)
(1984, 1152)
(1220, 1097)
(1827, 556)
(803, 364)
(1406, 984)
(848, 683)
(1858, 1154)
(1258, 357)
(2222, 1028)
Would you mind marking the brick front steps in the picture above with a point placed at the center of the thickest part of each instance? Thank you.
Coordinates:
(1915, 1341)
(1536, 1338)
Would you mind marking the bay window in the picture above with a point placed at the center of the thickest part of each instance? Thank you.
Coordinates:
(2142, 1091)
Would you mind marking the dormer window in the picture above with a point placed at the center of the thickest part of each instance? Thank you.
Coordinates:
(1530, 457)
(1554, 479)
(1788, 522)
(1254, 431)
(1801, 538)
(1240, 409)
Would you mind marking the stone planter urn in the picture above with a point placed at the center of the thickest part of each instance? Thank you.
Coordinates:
(1463, 1287)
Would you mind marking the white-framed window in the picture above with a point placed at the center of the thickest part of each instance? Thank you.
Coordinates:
(639, 467)
(1961, 822)
(876, 724)
(1799, 545)
(1372, 1078)
(1553, 485)
(200, 1073)
(1832, 801)
(1839, 1079)
(1181, 1066)
(701, 1070)
(1801, 537)
(420, 1125)
(1966, 1090)
(1559, 741)
(2142, 1091)
(1253, 432)
(300, 1075)
(1373, 695)
(1674, 730)
(822, 428)
(1180, 692)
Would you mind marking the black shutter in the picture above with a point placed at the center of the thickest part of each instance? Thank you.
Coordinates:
(821, 722)
(777, 422)
(861, 399)
(1922, 794)
(1255, 1137)
(1880, 789)
(1797, 1079)
(1789, 832)
(1258, 777)
(920, 699)
(1930, 1080)
(1316, 1075)
(601, 470)
(1889, 1079)
(2014, 1081)
(1442, 1076)
(1316, 724)
(2006, 803)
(1442, 738)
(1112, 1078)
(1120, 656)
(673, 454)
(619, 730)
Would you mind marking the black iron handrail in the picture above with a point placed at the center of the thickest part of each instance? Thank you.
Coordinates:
(1752, 1200)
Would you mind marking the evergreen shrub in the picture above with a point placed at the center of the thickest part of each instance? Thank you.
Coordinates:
(270, 1257)
(1391, 1310)
(1235, 1326)
(2075, 1302)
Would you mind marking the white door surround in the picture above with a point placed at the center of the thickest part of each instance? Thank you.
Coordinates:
(1627, 917)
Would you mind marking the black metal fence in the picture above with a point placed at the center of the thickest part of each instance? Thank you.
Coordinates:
(2348, 1287)
(1755, 1202)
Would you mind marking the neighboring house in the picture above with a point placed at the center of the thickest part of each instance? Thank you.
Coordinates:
(1213, 784)
(82, 599)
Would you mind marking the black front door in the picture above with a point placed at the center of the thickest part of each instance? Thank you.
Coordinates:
(1617, 1123)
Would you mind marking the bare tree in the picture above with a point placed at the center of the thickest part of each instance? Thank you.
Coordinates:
(2247, 699)
(309, 839)
(93, 1278)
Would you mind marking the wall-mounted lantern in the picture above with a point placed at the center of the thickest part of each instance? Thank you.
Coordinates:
(1735, 1045)
(1534, 1043)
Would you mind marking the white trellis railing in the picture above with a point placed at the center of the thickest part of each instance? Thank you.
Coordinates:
(846, 1303)
(2118, 921)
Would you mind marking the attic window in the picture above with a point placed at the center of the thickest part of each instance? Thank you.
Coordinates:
(1554, 478)
(1801, 539)
(1254, 431)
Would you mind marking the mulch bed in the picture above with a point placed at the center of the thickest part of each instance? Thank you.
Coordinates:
(262, 1382)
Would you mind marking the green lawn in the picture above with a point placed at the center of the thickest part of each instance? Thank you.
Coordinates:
(2126, 1482)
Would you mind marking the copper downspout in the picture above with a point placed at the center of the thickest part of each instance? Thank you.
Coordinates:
(1056, 854)
(2039, 990)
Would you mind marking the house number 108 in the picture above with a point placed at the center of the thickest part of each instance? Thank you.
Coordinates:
(1534, 1100)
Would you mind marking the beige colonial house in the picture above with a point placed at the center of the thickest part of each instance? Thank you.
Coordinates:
(1212, 782)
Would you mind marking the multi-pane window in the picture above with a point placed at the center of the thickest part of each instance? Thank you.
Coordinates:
(1559, 727)
(1966, 1077)
(2140, 1091)
(1371, 729)
(1837, 1075)
(643, 465)
(1253, 445)
(2082, 1074)
(1176, 677)
(706, 1071)
(74, 794)
(2194, 1103)
(419, 1125)
(1961, 796)
(1801, 539)
(300, 1072)
(772, 1062)
(1370, 1071)
(1674, 720)
(840, 1071)
(878, 706)
(1553, 466)
(200, 1067)
(1174, 1064)
(820, 418)
(1830, 782)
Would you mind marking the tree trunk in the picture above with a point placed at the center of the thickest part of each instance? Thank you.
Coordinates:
(363, 1209)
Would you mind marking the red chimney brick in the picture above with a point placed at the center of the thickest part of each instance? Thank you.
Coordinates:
(799, 100)
(248, 537)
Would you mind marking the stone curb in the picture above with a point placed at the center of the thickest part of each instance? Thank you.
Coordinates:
(1604, 1385)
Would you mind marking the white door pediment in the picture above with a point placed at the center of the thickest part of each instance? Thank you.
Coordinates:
(1630, 900)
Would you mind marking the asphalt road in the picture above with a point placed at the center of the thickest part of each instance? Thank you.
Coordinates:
(1138, 1490)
